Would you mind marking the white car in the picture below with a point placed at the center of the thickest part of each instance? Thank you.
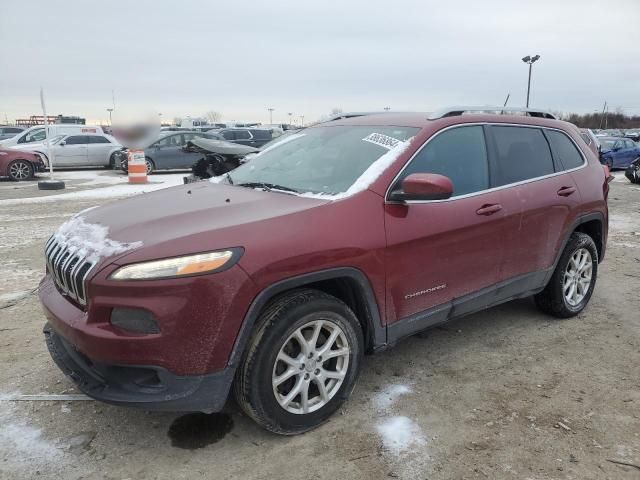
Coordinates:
(36, 134)
(77, 150)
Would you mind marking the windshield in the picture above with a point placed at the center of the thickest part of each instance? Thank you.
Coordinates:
(325, 159)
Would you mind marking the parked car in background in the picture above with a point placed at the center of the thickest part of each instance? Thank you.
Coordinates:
(252, 137)
(273, 283)
(19, 165)
(633, 171)
(96, 150)
(617, 152)
(633, 134)
(7, 131)
(591, 140)
(37, 133)
(168, 152)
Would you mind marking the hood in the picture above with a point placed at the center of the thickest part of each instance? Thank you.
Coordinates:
(222, 147)
(191, 219)
(28, 146)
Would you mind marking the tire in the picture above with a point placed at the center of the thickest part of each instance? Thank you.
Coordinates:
(112, 162)
(20, 170)
(556, 299)
(255, 386)
(150, 165)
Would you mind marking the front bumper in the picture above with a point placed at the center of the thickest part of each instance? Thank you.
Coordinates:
(148, 387)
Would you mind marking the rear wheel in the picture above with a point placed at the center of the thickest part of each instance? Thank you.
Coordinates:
(20, 170)
(301, 363)
(573, 280)
(150, 165)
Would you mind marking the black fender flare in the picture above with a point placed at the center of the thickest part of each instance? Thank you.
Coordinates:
(576, 223)
(374, 323)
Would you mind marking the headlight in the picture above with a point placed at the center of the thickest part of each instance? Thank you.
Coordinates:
(179, 266)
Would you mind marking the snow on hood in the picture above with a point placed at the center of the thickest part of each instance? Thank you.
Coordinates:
(90, 238)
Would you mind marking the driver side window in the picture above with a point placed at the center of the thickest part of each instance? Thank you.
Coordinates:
(460, 154)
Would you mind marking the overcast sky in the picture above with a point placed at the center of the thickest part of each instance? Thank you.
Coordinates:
(308, 56)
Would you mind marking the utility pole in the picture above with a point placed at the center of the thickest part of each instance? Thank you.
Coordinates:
(110, 110)
(530, 61)
(271, 115)
(604, 108)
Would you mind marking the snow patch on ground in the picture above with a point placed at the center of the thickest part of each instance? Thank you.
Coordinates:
(624, 223)
(122, 189)
(399, 434)
(91, 239)
(23, 449)
(385, 399)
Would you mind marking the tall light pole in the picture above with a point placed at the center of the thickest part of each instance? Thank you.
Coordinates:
(110, 110)
(530, 61)
(271, 115)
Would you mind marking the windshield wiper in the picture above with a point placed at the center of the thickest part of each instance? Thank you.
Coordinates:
(268, 186)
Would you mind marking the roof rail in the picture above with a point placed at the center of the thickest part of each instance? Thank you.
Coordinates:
(496, 110)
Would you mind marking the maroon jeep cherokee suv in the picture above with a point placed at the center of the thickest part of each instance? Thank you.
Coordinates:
(340, 240)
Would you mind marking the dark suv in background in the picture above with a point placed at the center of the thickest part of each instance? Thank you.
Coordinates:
(252, 137)
(275, 279)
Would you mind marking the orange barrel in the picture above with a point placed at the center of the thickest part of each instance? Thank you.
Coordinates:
(136, 166)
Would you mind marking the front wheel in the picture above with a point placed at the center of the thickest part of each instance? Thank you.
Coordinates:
(19, 170)
(572, 283)
(302, 362)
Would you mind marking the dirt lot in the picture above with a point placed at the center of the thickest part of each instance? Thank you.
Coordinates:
(507, 393)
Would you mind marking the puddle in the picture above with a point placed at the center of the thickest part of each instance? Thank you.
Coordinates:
(197, 430)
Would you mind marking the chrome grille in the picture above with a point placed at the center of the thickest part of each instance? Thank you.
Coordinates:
(69, 267)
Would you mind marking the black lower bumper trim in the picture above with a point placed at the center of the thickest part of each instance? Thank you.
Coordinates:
(147, 387)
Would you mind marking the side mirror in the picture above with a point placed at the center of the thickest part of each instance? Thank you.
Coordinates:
(423, 186)
(62, 143)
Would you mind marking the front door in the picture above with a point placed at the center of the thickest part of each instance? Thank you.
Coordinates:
(71, 151)
(438, 252)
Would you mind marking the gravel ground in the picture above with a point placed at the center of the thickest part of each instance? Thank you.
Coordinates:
(504, 394)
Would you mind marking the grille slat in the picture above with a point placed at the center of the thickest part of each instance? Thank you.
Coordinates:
(69, 269)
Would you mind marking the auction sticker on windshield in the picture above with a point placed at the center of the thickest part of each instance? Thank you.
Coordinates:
(384, 141)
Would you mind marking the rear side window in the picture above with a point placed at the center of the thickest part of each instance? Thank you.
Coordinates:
(229, 135)
(77, 140)
(522, 153)
(460, 154)
(242, 135)
(564, 150)
(98, 139)
(261, 134)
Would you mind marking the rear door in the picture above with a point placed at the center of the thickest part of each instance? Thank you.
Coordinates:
(98, 150)
(165, 152)
(439, 251)
(72, 151)
(538, 199)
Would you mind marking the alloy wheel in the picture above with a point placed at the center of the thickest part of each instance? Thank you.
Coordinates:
(577, 277)
(310, 367)
(19, 170)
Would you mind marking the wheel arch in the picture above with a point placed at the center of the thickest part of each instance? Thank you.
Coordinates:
(345, 283)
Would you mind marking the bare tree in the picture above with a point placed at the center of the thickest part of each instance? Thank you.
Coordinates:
(212, 116)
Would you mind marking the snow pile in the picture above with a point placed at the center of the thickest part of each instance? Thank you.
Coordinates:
(91, 239)
(399, 434)
(369, 176)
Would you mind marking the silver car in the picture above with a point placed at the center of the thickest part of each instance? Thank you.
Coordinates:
(97, 150)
